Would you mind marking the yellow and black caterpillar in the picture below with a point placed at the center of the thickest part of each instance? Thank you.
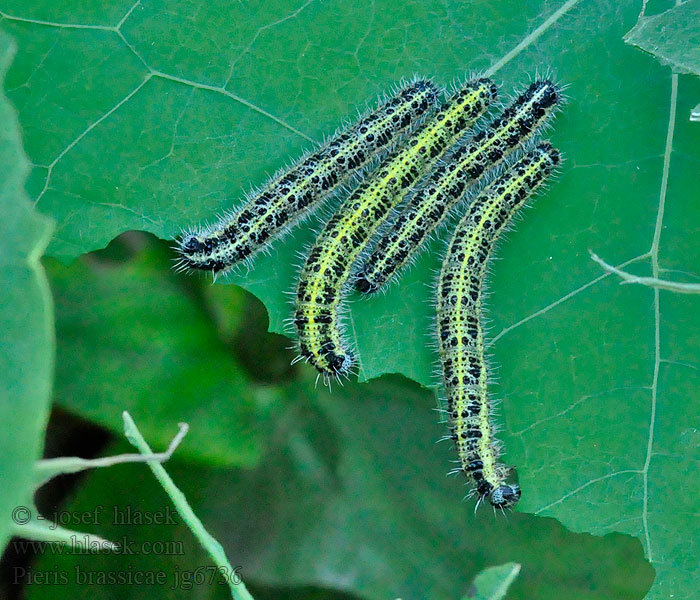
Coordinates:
(459, 322)
(296, 192)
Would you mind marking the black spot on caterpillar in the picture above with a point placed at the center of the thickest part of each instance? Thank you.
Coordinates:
(459, 328)
(450, 180)
(328, 266)
(294, 193)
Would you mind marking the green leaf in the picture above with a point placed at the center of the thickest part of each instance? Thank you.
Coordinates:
(26, 321)
(673, 36)
(352, 497)
(156, 115)
(493, 583)
(132, 336)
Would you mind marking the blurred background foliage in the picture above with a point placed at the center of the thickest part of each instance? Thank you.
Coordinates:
(309, 487)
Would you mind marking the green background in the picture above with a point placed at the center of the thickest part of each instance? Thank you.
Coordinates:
(155, 116)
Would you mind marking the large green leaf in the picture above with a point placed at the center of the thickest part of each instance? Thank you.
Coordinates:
(26, 322)
(155, 115)
(351, 496)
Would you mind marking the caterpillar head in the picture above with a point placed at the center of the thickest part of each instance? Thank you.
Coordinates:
(505, 496)
(337, 363)
(500, 494)
(364, 285)
(198, 252)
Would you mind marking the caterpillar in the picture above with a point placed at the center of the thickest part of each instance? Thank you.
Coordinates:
(448, 182)
(328, 266)
(293, 194)
(459, 329)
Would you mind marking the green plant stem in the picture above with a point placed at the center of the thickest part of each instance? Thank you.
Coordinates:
(209, 543)
(654, 282)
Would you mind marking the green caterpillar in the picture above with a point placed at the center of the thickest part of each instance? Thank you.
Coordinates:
(459, 329)
(448, 183)
(330, 261)
(293, 194)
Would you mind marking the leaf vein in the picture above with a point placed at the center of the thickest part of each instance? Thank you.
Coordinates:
(531, 37)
